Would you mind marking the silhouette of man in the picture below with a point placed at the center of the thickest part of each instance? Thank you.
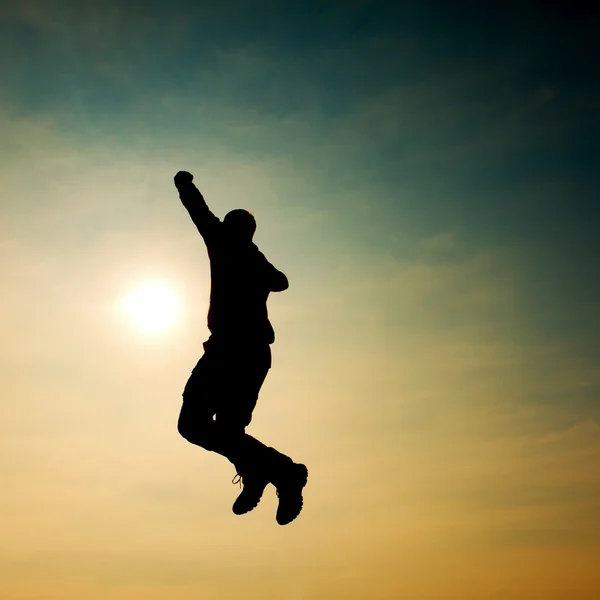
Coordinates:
(223, 388)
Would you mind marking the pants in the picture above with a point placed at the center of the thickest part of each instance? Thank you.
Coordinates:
(218, 401)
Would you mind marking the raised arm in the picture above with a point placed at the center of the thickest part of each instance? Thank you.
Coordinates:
(206, 222)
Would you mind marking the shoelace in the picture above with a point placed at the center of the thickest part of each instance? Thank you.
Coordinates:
(237, 479)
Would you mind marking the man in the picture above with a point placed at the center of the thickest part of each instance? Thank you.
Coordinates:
(223, 388)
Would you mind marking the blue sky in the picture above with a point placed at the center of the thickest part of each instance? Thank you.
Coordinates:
(425, 174)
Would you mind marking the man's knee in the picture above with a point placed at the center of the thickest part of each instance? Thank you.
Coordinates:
(196, 431)
(233, 422)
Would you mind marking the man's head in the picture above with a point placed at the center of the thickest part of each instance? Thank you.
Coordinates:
(240, 225)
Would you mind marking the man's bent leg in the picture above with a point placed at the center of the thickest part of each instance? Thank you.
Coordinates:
(223, 434)
(247, 369)
(219, 399)
(255, 462)
(200, 400)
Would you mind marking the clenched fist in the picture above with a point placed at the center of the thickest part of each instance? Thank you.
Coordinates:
(182, 179)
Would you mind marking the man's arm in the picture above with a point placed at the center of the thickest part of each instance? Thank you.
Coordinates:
(275, 279)
(278, 282)
(206, 222)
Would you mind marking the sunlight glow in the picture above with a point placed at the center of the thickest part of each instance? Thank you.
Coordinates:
(153, 307)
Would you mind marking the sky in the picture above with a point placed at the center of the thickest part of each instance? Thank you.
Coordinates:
(426, 174)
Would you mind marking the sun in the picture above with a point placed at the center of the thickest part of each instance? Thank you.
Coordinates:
(153, 307)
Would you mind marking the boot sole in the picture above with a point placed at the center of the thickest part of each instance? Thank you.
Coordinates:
(302, 474)
(246, 508)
